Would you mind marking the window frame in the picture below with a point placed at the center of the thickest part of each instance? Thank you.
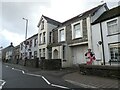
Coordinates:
(35, 42)
(44, 37)
(73, 31)
(50, 37)
(59, 34)
(113, 47)
(40, 38)
(42, 24)
(108, 31)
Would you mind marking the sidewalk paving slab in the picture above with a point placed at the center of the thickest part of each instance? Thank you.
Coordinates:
(91, 81)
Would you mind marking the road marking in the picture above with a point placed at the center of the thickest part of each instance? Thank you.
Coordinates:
(59, 86)
(23, 72)
(17, 69)
(3, 82)
(33, 74)
(80, 84)
(0, 87)
(46, 80)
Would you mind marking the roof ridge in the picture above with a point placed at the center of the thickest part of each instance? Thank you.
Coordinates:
(85, 12)
(50, 18)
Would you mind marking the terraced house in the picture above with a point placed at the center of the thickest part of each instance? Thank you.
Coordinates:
(30, 48)
(8, 53)
(73, 37)
(107, 44)
(45, 26)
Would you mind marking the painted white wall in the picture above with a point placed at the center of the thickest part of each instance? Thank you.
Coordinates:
(96, 36)
(108, 39)
(41, 31)
(58, 49)
(97, 49)
(66, 63)
(47, 28)
(89, 32)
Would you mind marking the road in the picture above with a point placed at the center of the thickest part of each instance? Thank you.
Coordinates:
(15, 78)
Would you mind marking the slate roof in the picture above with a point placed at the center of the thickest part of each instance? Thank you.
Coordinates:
(32, 36)
(49, 20)
(8, 48)
(112, 13)
(87, 13)
(82, 15)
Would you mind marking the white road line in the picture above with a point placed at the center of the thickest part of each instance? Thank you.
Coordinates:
(3, 82)
(17, 69)
(23, 72)
(59, 86)
(33, 74)
(0, 87)
(46, 80)
(80, 84)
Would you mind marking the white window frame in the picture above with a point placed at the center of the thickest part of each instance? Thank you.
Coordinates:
(81, 30)
(111, 21)
(42, 24)
(113, 46)
(44, 37)
(50, 37)
(59, 36)
(40, 38)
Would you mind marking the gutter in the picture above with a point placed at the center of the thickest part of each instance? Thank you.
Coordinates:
(102, 44)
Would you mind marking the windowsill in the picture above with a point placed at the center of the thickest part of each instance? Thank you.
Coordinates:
(42, 44)
(77, 38)
(113, 34)
(114, 61)
(61, 41)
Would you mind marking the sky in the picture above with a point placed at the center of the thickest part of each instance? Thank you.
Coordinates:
(12, 26)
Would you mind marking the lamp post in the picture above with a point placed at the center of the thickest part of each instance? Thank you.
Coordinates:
(25, 39)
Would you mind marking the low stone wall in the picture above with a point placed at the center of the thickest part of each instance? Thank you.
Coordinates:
(100, 70)
(50, 64)
(32, 63)
(28, 62)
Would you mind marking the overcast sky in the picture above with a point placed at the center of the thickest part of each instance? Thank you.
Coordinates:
(12, 27)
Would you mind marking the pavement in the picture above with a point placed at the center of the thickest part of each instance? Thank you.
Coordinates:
(75, 77)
